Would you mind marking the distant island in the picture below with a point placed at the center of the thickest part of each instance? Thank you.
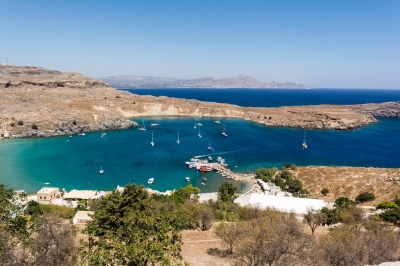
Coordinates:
(242, 81)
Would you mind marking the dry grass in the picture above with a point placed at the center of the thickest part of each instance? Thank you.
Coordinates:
(350, 182)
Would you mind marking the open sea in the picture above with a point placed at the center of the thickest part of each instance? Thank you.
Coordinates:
(127, 156)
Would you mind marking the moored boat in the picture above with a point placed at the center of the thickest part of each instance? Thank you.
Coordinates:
(154, 124)
(187, 179)
(151, 180)
(101, 170)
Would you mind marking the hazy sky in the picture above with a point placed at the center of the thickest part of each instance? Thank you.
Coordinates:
(321, 43)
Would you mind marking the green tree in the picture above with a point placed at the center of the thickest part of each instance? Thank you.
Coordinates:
(332, 215)
(293, 185)
(183, 194)
(33, 208)
(343, 202)
(324, 191)
(227, 192)
(365, 197)
(392, 216)
(266, 174)
(280, 182)
(134, 229)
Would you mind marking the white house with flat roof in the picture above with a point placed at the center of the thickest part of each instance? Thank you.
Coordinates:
(82, 195)
(47, 195)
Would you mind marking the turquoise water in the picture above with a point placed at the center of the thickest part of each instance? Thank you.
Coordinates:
(127, 156)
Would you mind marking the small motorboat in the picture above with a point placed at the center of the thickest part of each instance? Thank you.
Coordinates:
(154, 125)
(209, 158)
(203, 184)
(199, 124)
(187, 179)
(151, 180)
(101, 170)
(81, 134)
(205, 179)
(103, 134)
(70, 136)
(217, 122)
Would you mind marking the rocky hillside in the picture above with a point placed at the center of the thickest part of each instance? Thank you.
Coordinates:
(36, 102)
(242, 81)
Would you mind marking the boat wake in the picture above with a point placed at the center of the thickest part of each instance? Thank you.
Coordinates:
(226, 152)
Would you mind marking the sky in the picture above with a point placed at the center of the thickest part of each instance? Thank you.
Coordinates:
(320, 43)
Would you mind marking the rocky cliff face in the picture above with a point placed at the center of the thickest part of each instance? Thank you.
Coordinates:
(36, 102)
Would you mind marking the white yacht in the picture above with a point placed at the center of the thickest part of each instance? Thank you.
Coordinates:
(154, 124)
(304, 141)
(151, 180)
(81, 134)
(209, 147)
(224, 133)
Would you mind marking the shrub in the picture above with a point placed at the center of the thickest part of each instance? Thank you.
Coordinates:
(20, 123)
(117, 96)
(324, 191)
(387, 205)
(364, 197)
(74, 122)
(34, 126)
(12, 124)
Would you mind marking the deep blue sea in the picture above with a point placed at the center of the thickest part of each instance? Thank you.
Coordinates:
(278, 97)
(127, 156)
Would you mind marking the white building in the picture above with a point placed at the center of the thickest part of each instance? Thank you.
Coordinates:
(82, 195)
(284, 204)
(47, 195)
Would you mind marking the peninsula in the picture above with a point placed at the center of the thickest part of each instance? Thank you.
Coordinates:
(242, 81)
(37, 102)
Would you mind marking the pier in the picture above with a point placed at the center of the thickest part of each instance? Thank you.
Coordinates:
(228, 174)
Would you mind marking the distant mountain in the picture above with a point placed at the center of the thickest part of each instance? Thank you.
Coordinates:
(242, 81)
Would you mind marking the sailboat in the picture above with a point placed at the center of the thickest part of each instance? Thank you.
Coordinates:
(304, 141)
(101, 170)
(209, 147)
(178, 141)
(199, 133)
(223, 132)
(152, 141)
(143, 127)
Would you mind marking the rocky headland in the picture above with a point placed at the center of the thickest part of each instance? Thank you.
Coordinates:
(37, 102)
